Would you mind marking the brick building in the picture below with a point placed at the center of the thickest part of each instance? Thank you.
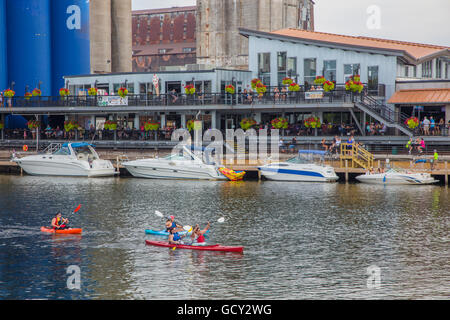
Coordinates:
(163, 38)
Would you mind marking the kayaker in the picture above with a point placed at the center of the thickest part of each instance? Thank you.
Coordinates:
(171, 223)
(198, 236)
(174, 237)
(58, 222)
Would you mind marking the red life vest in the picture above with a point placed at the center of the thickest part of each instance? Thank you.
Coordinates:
(201, 239)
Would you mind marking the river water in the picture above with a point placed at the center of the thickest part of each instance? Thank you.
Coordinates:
(302, 241)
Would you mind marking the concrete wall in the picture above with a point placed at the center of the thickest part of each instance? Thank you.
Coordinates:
(100, 35)
(218, 40)
(121, 39)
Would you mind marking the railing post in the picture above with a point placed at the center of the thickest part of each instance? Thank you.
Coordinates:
(446, 174)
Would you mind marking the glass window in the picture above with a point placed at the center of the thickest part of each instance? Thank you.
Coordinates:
(264, 67)
(373, 78)
(351, 70)
(282, 61)
(292, 67)
(427, 69)
(329, 70)
(309, 70)
(438, 69)
(406, 71)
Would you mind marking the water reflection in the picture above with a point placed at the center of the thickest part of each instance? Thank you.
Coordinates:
(302, 241)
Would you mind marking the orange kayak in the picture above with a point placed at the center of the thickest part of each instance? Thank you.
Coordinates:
(64, 231)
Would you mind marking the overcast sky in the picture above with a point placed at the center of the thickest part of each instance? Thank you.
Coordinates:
(406, 20)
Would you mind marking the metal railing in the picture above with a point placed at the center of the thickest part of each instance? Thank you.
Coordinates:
(303, 96)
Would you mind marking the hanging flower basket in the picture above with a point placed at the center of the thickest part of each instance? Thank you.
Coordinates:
(63, 92)
(230, 89)
(189, 89)
(8, 93)
(123, 92)
(92, 91)
(28, 95)
(294, 87)
(247, 123)
(36, 93)
(261, 88)
(279, 123)
(320, 80)
(412, 122)
(353, 85)
(328, 86)
(33, 124)
(356, 78)
(190, 125)
(287, 81)
(70, 125)
(255, 82)
(110, 125)
(1, 125)
(312, 122)
(151, 126)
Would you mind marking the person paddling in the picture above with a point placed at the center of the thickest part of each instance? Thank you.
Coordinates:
(198, 236)
(171, 223)
(174, 237)
(58, 222)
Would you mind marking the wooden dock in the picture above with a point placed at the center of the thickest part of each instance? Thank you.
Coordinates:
(347, 173)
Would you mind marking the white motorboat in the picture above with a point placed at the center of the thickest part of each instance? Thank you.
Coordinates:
(181, 164)
(301, 168)
(397, 177)
(69, 159)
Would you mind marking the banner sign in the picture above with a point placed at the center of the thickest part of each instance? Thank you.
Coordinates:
(309, 95)
(107, 101)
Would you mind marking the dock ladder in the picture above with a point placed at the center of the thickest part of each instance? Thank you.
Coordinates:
(358, 156)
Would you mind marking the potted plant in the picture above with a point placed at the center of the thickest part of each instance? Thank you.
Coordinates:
(328, 86)
(190, 125)
(70, 125)
(312, 122)
(123, 92)
(33, 124)
(151, 126)
(36, 92)
(189, 89)
(255, 82)
(230, 89)
(320, 80)
(8, 93)
(412, 122)
(354, 84)
(279, 123)
(261, 88)
(63, 92)
(1, 125)
(92, 91)
(294, 87)
(110, 125)
(247, 123)
(287, 81)
(28, 95)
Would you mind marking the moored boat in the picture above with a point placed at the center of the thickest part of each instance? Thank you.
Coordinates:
(69, 159)
(397, 177)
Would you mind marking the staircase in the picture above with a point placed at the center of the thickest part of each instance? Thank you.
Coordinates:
(384, 114)
(358, 156)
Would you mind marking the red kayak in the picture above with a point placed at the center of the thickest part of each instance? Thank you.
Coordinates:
(215, 247)
(63, 231)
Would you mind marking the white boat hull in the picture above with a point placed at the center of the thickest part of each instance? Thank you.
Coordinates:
(152, 169)
(75, 168)
(397, 179)
(304, 174)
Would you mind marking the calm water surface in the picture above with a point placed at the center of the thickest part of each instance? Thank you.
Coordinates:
(302, 241)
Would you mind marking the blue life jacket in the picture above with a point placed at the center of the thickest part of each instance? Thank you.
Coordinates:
(176, 236)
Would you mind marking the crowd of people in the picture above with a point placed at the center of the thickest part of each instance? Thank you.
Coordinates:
(431, 127)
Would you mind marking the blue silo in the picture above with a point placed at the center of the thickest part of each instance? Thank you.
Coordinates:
(29, 45)
(3, 51)
(70, 40)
